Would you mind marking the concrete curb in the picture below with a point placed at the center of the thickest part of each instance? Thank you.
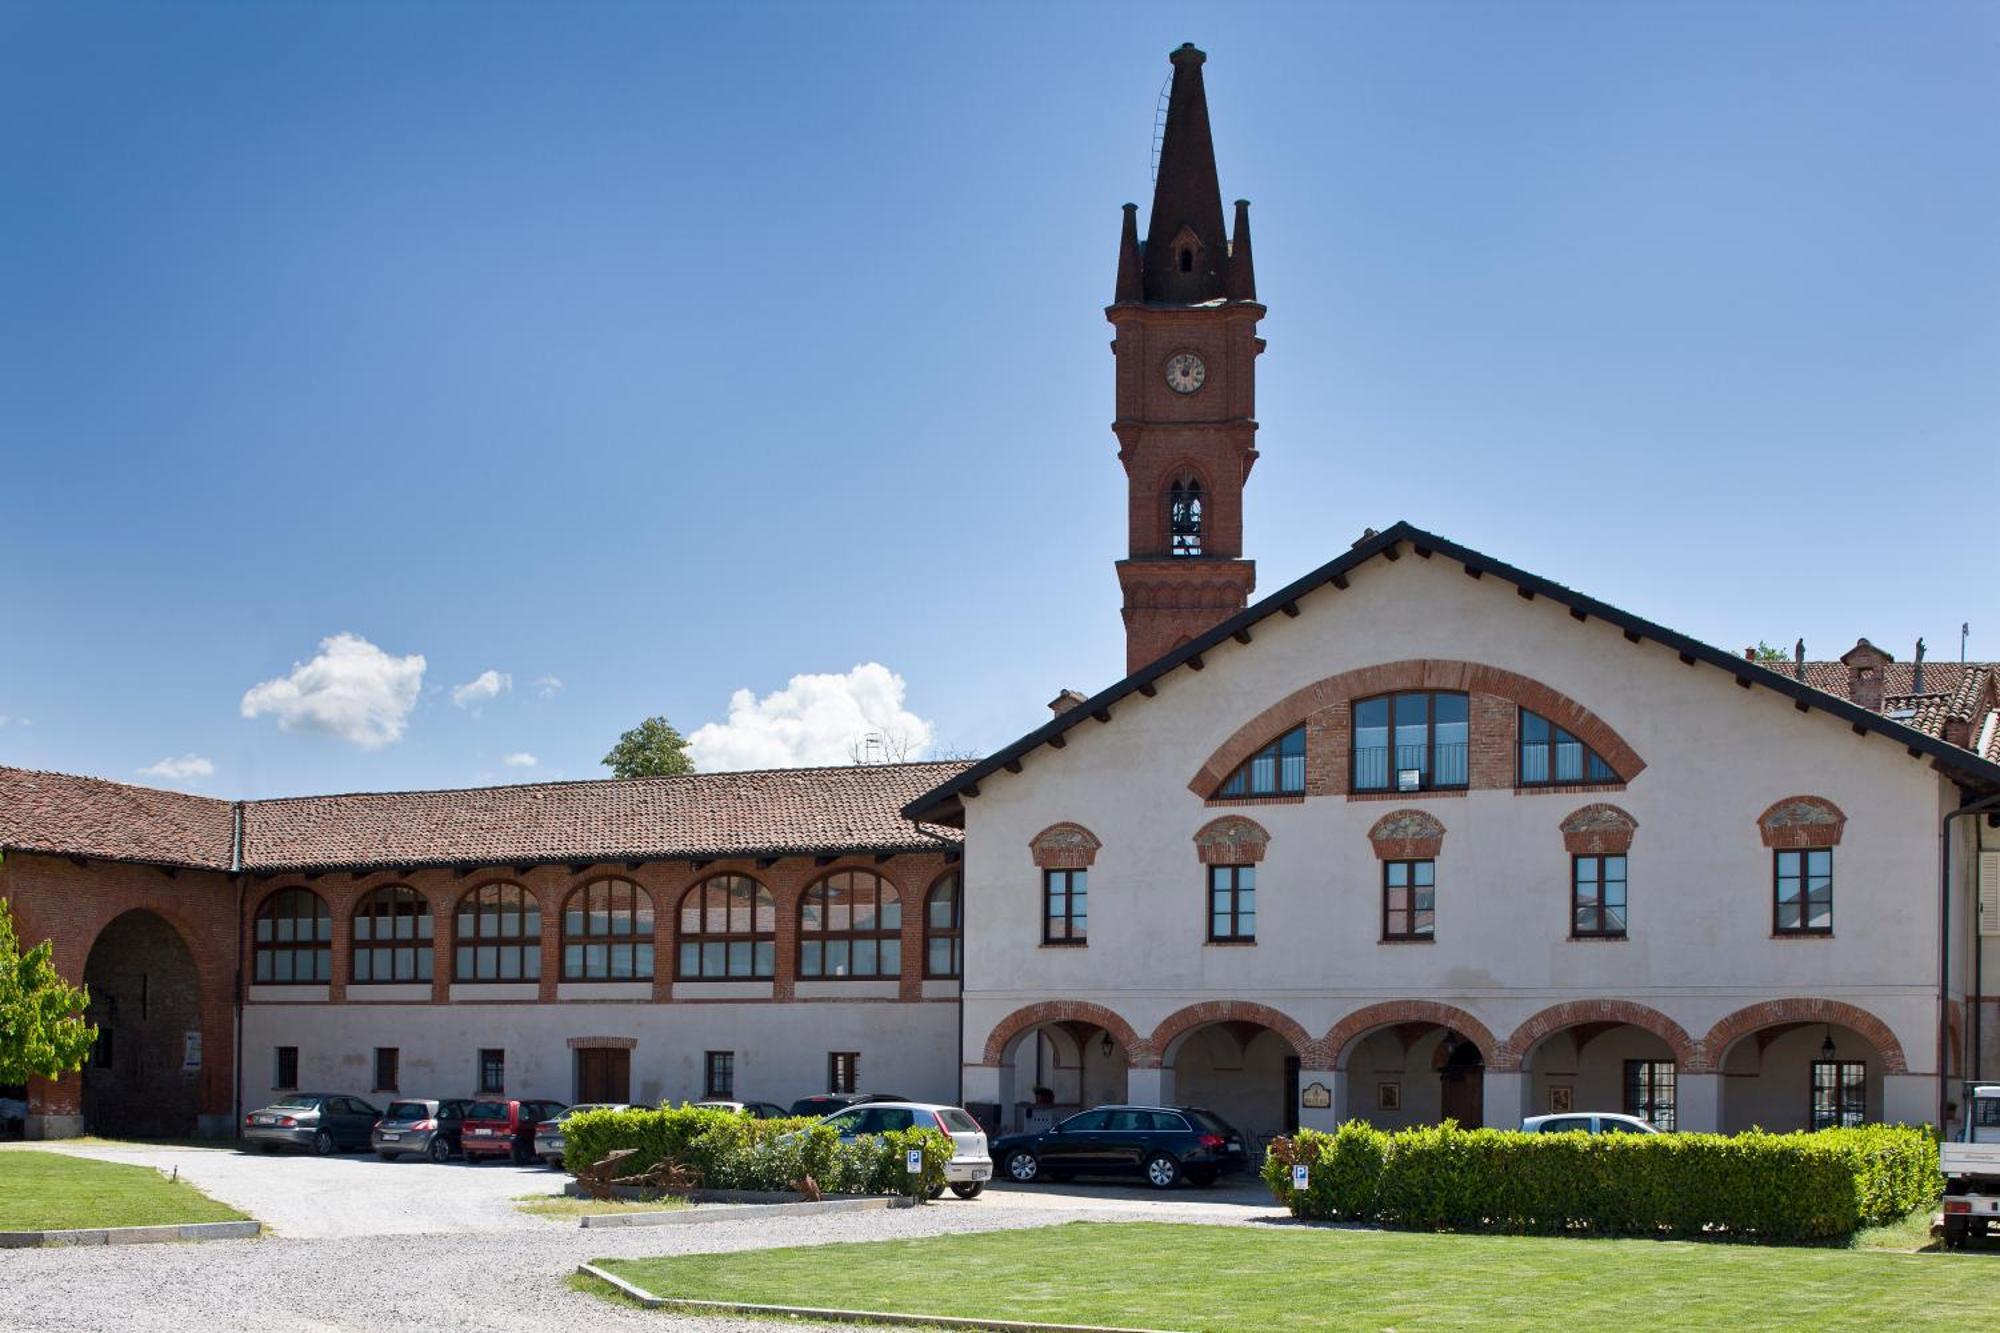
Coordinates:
(729, 1212)
(28, 1240)
(652, 1302)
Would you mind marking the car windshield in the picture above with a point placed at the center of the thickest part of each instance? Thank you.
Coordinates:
(957, 1121)
(1212, 1122)
(297, 1101)
(403, 1111)
(486, 1111)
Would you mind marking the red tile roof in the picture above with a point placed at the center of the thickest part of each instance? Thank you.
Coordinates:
(702, 816)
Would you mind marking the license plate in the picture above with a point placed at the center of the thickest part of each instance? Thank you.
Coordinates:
(979, 1173)
(391, 1138)
(480, 1131)
(267, 1120)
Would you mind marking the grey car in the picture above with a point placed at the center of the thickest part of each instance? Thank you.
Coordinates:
(324, 1122)
(420, 1125)
(549, 1143)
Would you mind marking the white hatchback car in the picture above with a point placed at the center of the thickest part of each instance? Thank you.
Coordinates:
(1588, 1122)
(969, 1168)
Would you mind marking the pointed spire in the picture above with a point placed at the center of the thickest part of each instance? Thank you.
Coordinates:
(1242, 271)
(1131, 286)
(1187, 255)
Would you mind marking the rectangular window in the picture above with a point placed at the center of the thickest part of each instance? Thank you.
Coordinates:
(843, 1071)
(492, 1070)
(1065, 906)
(1802, 891)
(1649, 1092)
(1416, 741)
(388, 1060)
(720, 1077)
(286, 1075)
(1597, 897)
(1839, 1094)
(1409, 900)
(1232, 904)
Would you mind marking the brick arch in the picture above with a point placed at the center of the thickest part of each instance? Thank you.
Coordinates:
(1803, 1009)
(458, 903)
(1139, 1053)
(1416, 674)
(1569, 1014)
(1598, 829)
(1802, 821)
(1184, 1021)
(1366, 1020)
(1403, 835)
(821, 874)
(257, 904)
(1065, 846)
(1231, 840)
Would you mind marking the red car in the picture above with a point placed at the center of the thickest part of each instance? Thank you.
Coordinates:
(495, 1128)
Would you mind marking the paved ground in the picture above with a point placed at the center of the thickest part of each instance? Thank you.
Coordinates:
(362, 1244)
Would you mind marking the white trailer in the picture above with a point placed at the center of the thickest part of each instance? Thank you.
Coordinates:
(1971, 1166)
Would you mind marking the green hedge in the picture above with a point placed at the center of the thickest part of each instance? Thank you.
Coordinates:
(729, 1150)
(1767, 1186)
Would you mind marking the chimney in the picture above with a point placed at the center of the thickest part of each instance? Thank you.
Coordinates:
(1917, 670)
(1065, 701)
(1749, 654)
(1865, 663)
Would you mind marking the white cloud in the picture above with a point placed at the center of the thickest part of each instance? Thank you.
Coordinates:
(816, 719)
(482, 688)
(520, 759)
(187, 766)
(352, 690)
(548, 687)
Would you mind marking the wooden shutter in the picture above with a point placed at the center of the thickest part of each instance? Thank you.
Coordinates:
(1989, 893)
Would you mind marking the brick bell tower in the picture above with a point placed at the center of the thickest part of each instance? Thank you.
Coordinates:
(1186, 313)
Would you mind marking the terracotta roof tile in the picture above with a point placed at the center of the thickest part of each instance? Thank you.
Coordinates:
(72, 816)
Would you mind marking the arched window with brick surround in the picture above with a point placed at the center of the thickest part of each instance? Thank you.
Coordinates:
(607, 932)
(392, 936)
(293, 940)
(728, 931)
(850, 927)
(499, 935)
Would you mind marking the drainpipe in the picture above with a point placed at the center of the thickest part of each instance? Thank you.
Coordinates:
(1944, 944)
(236, 870)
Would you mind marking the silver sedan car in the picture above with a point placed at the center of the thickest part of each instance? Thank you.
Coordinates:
(549, 1136)
(319, 1121)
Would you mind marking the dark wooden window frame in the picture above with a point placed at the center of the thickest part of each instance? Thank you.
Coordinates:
(1070, 879)
(1602, 904)
(1804, 877)
(1410, 933)
(388, 1069)
(285, 1071)
(317, 918)
(387, 906)
(505, 901)
(1652, 1092)
(1838, 1088)
(1226, 889)
(951, 933)
(1429, 780)
(726, 889)
(1592, 760)
(885, 939)
(843, 1071)
(718, 1075)
(492, 1071)
(1286, 779)
(624, 901)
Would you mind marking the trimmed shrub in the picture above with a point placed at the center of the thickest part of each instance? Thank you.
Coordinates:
(1767, 1186)
(730, 1150)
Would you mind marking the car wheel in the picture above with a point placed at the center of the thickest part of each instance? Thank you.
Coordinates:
(439, 1151)
(968, 1189)
(1162, 1171)
(323, 1143)
(1023, 1166)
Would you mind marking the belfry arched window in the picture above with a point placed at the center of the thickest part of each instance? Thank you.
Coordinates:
(1184, 513)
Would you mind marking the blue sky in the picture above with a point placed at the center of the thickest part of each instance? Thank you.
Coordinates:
(669, 352)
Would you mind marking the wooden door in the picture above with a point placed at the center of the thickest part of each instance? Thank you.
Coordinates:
(603, 1074)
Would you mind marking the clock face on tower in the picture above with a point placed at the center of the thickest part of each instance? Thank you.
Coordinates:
(1185, 372)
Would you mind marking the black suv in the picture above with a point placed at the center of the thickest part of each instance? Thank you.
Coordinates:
(1162, 1143)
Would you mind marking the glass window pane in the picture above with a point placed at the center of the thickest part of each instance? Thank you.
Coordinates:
(864, 958)
(891, 958)
(766, 957)
(892, 910)
(812, 959)
(938, 958)
(690, 965)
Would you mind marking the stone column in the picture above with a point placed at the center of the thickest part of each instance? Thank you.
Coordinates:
(1506, 1099)
(1698, 1103)
(1152, 1086)
(1325, 1118)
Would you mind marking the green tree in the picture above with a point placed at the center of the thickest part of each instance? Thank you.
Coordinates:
(1766, 653)
(653, 749)
(41, 1016)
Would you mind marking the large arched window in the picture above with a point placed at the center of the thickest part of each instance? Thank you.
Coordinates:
(851, 927)
(392, 936)
(499, 936)
(944, 929)
(729, 931)
(1279, 769)
(607, 932)
(293, 939)
(1184, 512)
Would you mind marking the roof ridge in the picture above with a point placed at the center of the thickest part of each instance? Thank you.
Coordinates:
(564, 783)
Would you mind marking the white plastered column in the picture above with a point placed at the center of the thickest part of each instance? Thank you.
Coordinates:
(1506, 1099)
(1149, 1087)
(1325, 1118)
(1698, 1103)
(1909, 1099)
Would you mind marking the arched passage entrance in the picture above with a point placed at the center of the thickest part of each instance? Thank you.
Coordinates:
(1605, 1056)
(1810, 1064)
(1051, 1060)
(1237, 1059)
(1413, 1062)
(145, 997)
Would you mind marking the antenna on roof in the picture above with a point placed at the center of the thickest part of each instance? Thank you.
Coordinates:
(1160, 125)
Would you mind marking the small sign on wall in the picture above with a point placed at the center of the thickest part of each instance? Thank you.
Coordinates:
(1562, 1098)
(191, 1052)
(1388, 1096)
(1315, 1096)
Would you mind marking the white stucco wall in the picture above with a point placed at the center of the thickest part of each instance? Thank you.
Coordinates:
(781, 1049)
(1700, 946)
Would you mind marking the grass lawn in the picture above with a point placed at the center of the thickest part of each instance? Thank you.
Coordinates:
(1165, 1276)
(562, 1205)
(45, 1191)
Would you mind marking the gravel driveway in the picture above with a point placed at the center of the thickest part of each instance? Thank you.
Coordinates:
(362, 1244)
